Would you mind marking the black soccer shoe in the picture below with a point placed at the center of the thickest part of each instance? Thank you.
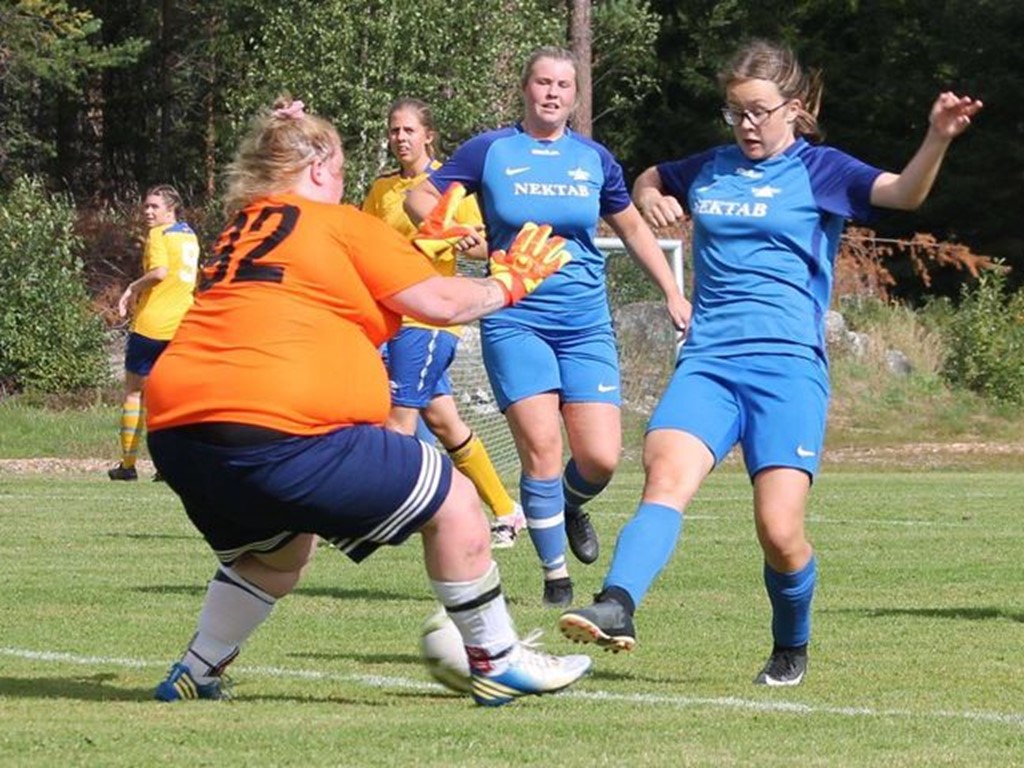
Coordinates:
(581, 534)
(121, 472)
(606, 623)
(786, 666)
(557, 593)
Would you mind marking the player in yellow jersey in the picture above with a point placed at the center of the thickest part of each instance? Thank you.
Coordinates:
(419, 356)
(160, 299)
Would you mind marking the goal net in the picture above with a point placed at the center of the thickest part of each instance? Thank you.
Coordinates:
(646, 360)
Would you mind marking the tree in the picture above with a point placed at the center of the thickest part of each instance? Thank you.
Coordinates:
(580, 40)
(48, 51)
(349, 59)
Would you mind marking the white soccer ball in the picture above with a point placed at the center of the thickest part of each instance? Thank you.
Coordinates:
(444, 653)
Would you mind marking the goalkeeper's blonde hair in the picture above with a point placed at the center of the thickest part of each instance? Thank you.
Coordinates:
(280, 144)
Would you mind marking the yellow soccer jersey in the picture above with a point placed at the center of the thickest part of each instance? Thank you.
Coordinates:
(161, 307)
(386, 200)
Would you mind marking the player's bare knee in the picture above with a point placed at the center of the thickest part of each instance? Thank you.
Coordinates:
(461, 515)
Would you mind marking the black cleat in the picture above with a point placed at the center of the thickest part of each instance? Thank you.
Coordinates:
(121, 472)
(606, 623)
(557, 593)
(786, 666)
(581, 534)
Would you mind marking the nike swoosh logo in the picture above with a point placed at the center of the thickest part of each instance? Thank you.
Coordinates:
(516, 171)
(606, 388)
(803, 453)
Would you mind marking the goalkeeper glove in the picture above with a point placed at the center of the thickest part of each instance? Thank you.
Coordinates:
(438, 233)
(533, 257)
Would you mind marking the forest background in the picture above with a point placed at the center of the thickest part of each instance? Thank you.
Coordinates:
(101, 98)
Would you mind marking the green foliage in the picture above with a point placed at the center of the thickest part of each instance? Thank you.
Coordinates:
(47, 48)
(624, 59)
(986, 342)
(349, 59)
(50, 339)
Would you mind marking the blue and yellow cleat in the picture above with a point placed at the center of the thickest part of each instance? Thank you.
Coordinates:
(180, 685)
(529, 673)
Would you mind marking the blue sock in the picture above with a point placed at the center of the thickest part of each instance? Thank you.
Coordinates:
(577, 489)
(790, 595)
(542, 502)
(643, 549)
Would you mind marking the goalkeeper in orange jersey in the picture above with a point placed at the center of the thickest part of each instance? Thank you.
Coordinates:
(160, 299)
(266, 413)
(420, 355)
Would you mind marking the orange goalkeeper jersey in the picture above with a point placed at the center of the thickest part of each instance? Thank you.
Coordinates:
(286, 324)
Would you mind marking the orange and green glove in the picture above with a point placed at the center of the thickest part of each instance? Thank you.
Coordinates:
(438, 233)
(533, 257)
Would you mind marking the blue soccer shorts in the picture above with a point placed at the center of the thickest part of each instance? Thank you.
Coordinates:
(582, 366)
(774, 406)
(418, 360)
(141, 353)
(358, 487)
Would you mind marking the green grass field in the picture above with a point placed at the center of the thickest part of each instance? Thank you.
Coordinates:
(916, 658)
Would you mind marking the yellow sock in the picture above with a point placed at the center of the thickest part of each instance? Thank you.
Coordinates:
(131, 420)
(472, 460)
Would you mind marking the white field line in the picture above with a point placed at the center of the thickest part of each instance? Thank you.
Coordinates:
(649, 699)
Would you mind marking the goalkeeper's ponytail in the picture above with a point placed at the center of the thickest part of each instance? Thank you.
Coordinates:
(280, 144)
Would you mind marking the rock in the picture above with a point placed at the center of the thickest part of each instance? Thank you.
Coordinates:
(898, 363)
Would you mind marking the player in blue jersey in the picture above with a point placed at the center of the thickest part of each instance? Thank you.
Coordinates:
(767, 214)
(552, 360)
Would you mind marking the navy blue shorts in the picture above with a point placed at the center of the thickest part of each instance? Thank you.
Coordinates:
(141, 353)
(358, 487)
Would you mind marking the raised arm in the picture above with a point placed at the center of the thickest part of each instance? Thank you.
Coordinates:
(950, 116)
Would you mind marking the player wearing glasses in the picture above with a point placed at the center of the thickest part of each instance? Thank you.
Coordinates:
(767, 215)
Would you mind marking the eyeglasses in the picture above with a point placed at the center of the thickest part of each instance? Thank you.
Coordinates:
(757, 117)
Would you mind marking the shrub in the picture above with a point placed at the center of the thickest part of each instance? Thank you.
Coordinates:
(50, 339)
(986, 340)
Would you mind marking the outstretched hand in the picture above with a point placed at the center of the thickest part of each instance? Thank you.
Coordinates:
(532, 258)
(438, 234)
(951, 114)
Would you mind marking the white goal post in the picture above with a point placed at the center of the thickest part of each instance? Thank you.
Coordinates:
(470, 387)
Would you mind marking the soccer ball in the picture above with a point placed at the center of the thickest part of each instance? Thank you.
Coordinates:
(443, 652)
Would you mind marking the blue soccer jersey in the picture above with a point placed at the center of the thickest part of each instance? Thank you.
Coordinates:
(765, 237)
(568, 183)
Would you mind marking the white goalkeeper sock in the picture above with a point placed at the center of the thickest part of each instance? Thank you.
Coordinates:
(232, 611)
(479, 611)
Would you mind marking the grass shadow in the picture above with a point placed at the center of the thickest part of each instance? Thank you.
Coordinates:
(89, 688)
(362, 658)
(364, 594)
(960, 614)
(152, 536)
(172, 589)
